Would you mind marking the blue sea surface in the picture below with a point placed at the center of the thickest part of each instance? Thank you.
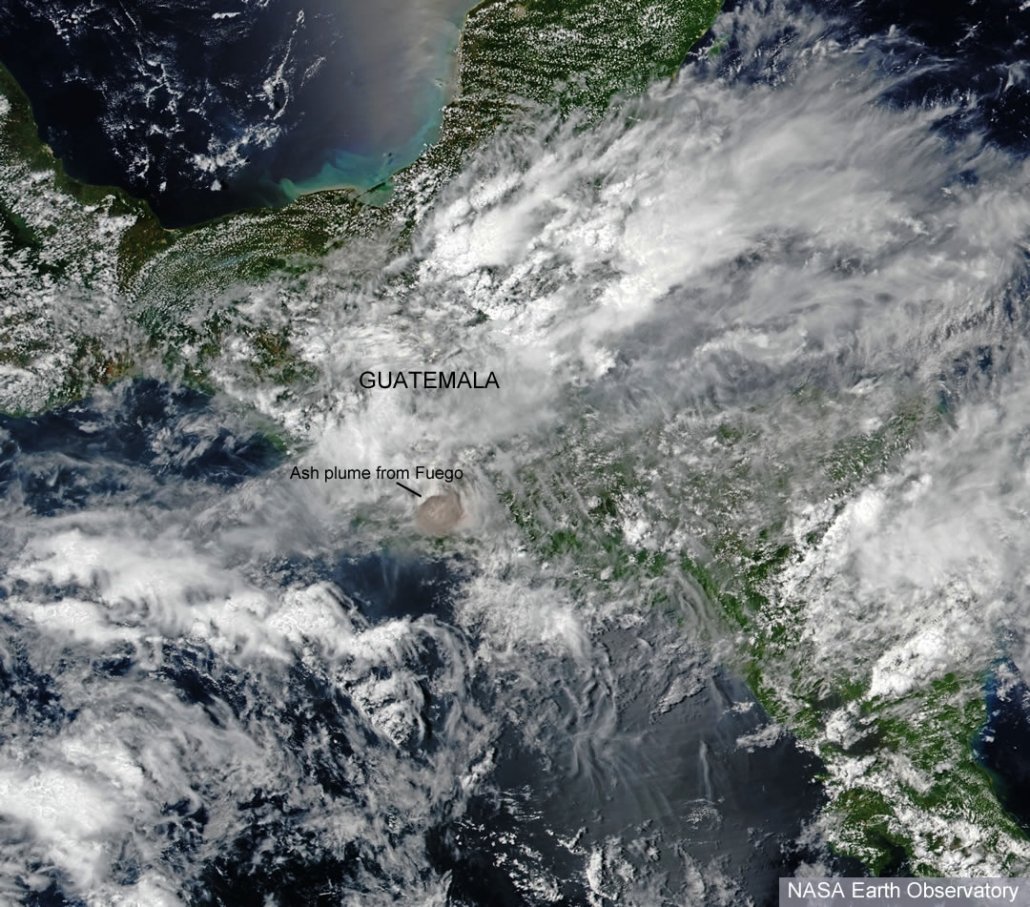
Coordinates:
(1003, 743)
(205, 109)
(380, 748)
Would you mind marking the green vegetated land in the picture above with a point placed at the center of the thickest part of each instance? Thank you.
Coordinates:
(94, 286)
(905, 792)
(65, 239)
(902, 787)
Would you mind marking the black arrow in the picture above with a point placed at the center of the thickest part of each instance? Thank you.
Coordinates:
(412, 490)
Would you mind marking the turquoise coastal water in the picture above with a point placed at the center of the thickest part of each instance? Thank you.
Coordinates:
(394, 83)
(207, 109)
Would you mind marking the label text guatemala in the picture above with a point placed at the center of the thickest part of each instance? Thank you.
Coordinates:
(427, 380)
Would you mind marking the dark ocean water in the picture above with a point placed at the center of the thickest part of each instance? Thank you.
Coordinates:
(208, 108)
(1003, 746)
(313, 713)
(578, 762)
(212, 108)
(970, 54)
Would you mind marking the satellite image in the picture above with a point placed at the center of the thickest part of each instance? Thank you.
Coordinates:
(515, 453)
